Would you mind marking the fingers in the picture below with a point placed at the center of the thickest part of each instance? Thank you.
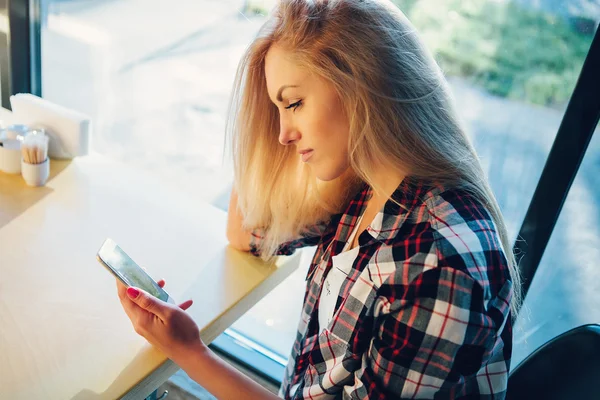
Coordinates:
(127, 303)
(140, 318)
(121, 289)
(186, 304)
(149, 303)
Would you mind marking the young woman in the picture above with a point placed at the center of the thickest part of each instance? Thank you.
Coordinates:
(345, 137)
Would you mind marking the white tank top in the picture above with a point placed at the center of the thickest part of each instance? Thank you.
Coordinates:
(342, 264)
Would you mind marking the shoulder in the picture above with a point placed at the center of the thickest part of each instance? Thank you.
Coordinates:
(446, 229)
(448, 252)
(465, 236)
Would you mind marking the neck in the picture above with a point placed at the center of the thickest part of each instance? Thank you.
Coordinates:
(387, 182)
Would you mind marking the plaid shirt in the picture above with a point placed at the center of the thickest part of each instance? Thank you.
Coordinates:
(423, 313)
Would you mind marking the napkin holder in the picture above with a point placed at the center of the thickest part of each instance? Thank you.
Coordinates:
(69, 131)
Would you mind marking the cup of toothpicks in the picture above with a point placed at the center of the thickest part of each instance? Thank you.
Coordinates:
(35, 164)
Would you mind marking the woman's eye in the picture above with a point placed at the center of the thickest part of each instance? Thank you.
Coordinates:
(294, 105)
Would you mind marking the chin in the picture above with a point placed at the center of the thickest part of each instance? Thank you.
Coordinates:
(326, 178)
(329, 174)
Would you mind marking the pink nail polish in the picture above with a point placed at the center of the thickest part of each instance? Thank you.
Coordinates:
(133, 293)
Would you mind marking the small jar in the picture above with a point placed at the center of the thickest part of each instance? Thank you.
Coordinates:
(10, 155)
(35, 174)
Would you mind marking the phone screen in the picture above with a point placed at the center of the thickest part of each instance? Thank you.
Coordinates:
(112, 256)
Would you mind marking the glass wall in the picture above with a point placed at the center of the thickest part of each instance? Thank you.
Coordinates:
(565, 292)
(155, 77)
(512, 66)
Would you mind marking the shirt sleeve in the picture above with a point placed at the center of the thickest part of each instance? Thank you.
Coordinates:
(311, 236)
(430, 339)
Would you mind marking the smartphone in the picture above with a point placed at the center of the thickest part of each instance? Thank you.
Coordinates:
(127, 271)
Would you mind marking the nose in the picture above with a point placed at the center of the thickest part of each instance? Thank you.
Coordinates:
(288, 134)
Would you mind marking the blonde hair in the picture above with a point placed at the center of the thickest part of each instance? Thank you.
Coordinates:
(398, 104)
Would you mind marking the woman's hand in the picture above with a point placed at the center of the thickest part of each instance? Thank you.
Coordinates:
(165, 326)
(171, 330)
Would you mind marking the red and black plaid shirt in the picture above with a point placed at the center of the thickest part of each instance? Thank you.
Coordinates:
(423, 312)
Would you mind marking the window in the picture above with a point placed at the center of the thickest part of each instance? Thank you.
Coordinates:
(512, 66)
(156, 78)
(565, 292)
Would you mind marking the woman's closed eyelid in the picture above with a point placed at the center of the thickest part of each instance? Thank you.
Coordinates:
(294, 105)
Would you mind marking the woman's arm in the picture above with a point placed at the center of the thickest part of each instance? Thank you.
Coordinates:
(434, 340)
(237, 237)
(251, 240)
(218, 377)
(173, 332)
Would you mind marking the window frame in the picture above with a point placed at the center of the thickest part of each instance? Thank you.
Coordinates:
(20, 48)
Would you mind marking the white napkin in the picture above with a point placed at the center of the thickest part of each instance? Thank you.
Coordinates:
(68, 130)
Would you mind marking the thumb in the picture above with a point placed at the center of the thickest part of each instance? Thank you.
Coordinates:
(146, 301)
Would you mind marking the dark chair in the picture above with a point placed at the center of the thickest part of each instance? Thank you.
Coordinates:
(564, 368)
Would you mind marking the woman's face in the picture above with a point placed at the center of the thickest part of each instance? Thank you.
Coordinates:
(311, 117)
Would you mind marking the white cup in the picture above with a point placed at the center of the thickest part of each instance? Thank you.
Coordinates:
(10, 156)
(35, 174)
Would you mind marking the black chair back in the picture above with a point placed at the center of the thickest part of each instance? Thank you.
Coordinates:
(565, 368)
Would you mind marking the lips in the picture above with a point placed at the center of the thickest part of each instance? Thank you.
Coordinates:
(306, 154)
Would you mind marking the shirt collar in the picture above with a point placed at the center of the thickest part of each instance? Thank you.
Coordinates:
(388, 221)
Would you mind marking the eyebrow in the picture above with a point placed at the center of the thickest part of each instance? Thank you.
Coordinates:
(281, 89)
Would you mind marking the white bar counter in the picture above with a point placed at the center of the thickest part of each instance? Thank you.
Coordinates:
(63, 333)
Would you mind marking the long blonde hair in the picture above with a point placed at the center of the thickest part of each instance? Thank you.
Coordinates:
(398, 104)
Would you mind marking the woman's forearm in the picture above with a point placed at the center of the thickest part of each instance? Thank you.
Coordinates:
(219, 378)
(236, 235)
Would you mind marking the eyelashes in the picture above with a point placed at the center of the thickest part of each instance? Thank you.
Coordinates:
(295, 105)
